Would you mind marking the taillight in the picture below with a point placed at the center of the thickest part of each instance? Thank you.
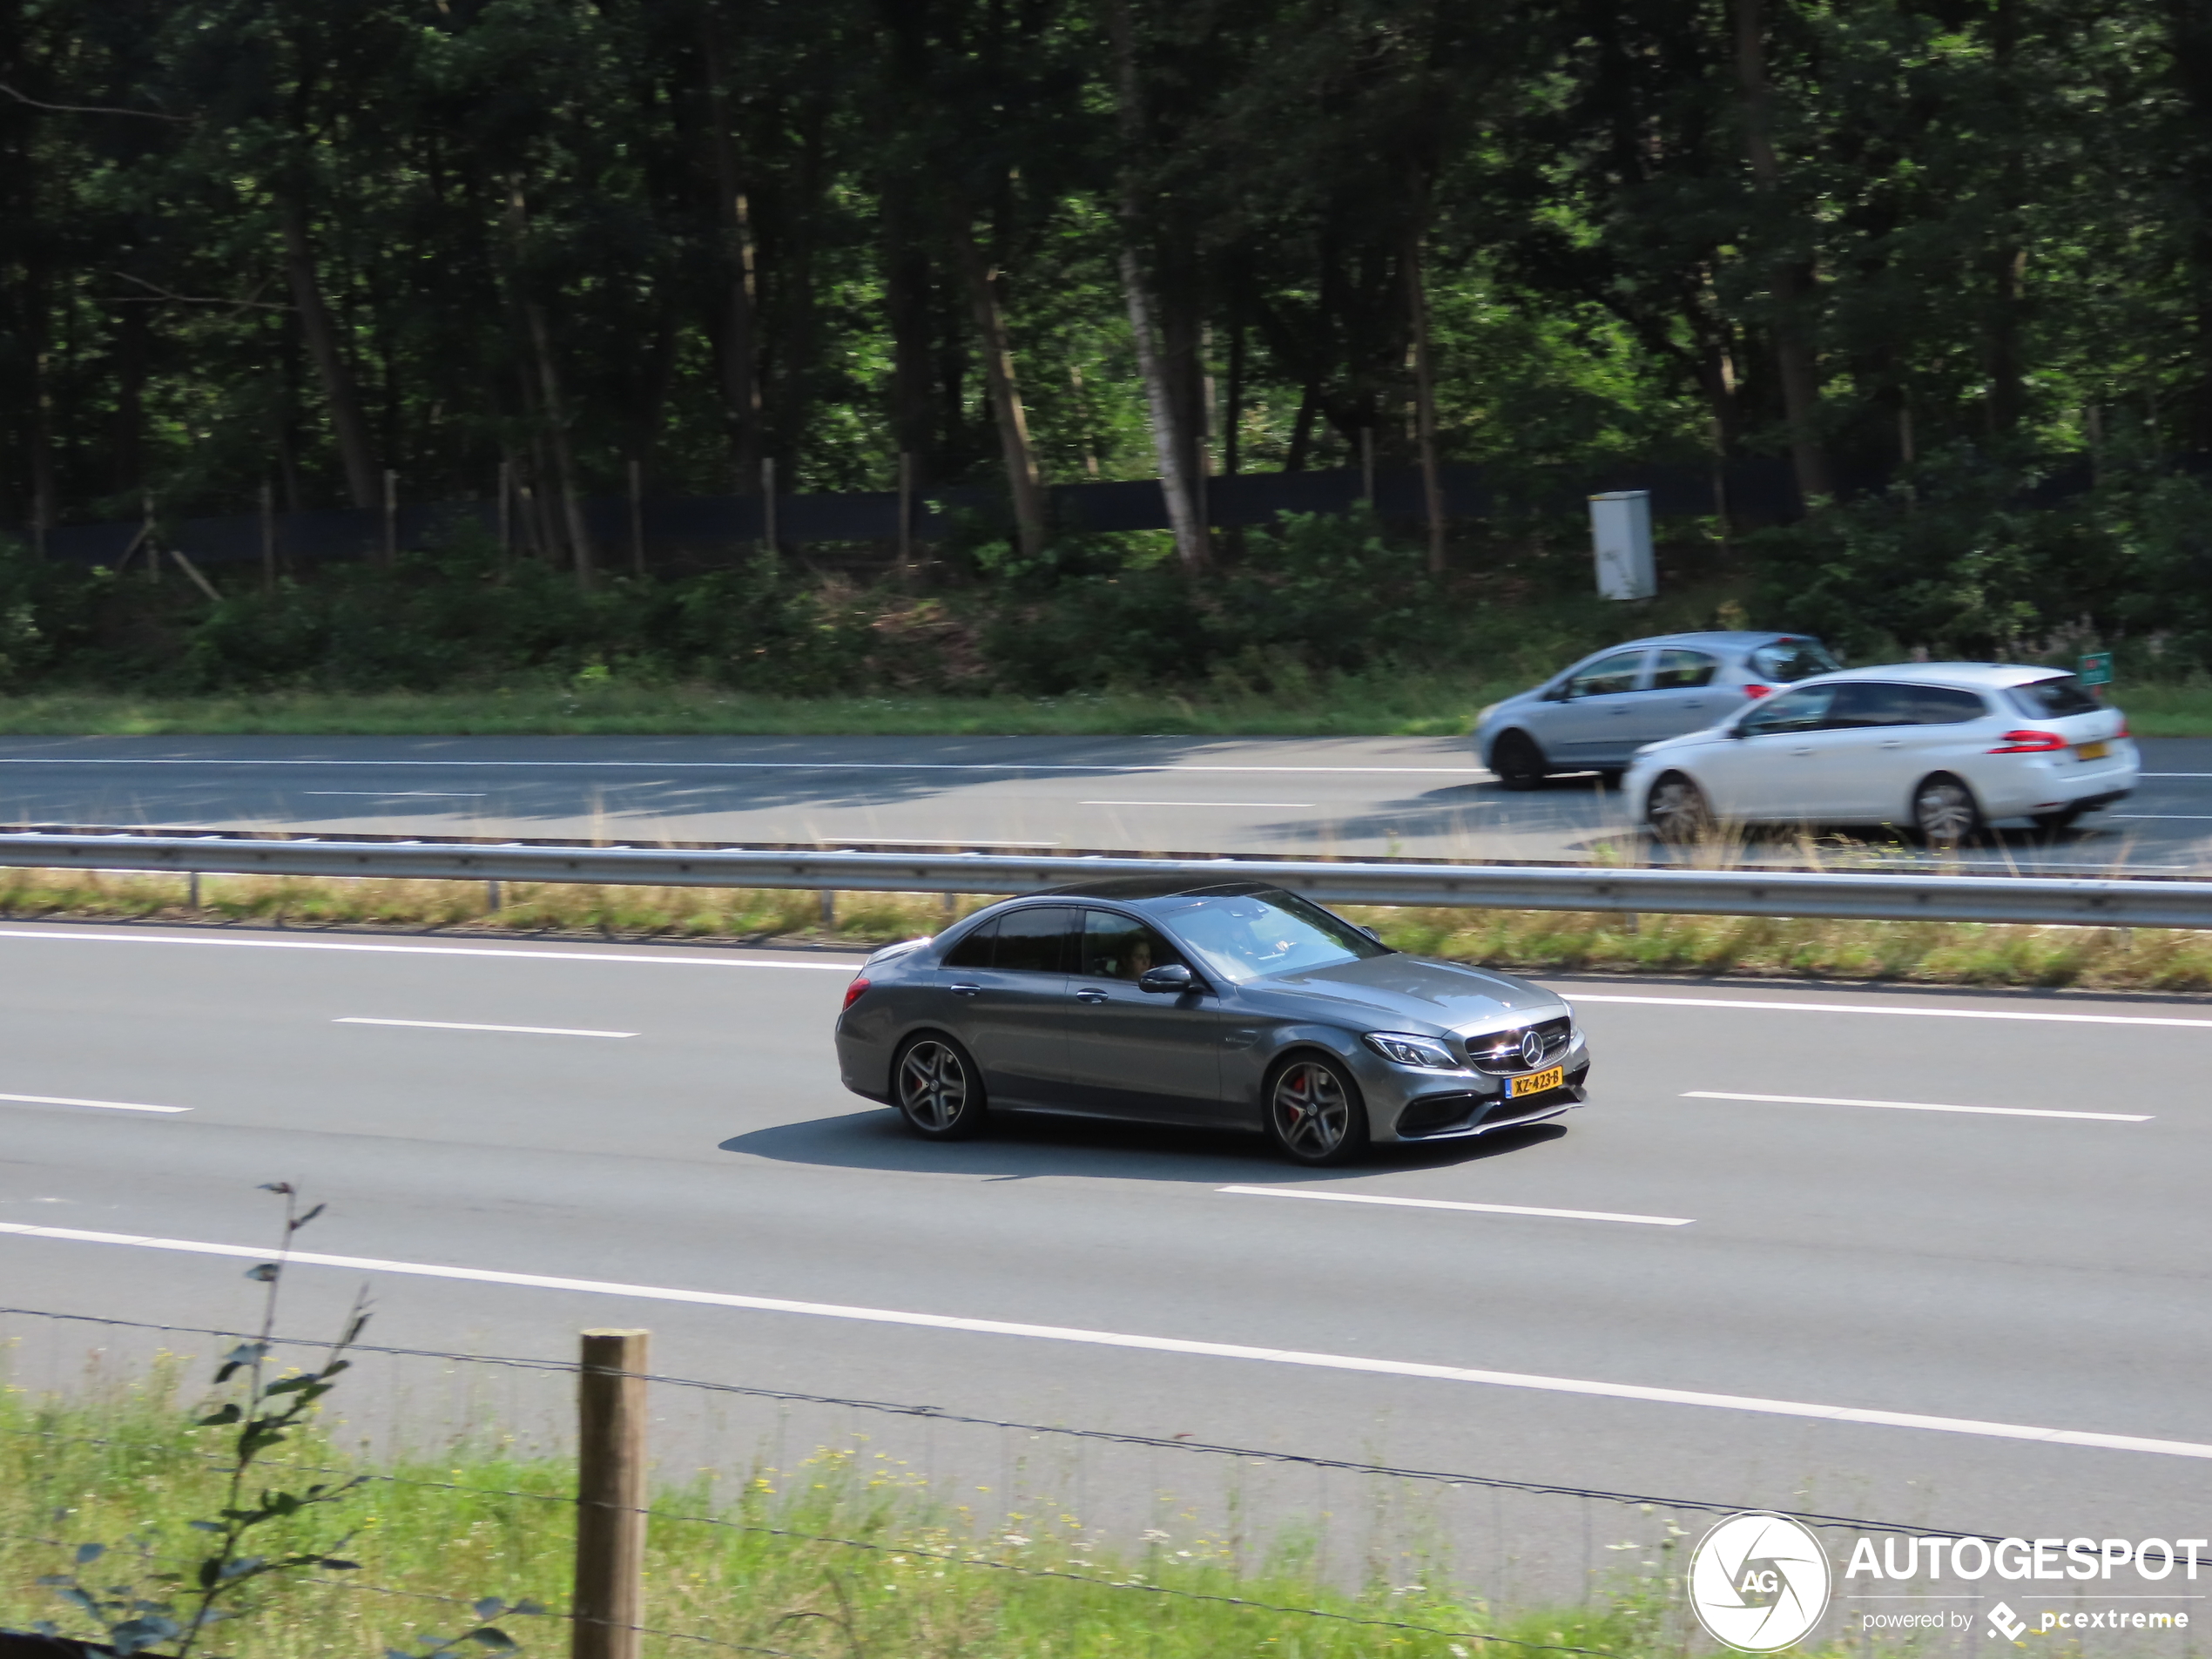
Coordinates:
(2028, 742)
(2123, 727)
(853, 992)
(1757, 691)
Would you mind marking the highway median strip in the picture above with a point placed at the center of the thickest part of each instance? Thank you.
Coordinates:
(1859, 1416)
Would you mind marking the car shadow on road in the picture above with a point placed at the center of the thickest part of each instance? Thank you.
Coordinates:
(1020, 1146)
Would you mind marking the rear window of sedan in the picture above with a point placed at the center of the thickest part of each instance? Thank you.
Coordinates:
(2053, 698)
(1789, 660)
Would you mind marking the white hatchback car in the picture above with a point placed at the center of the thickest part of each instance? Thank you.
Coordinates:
(1935, 749)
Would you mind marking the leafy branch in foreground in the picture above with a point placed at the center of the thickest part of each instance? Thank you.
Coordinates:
(267, 1413)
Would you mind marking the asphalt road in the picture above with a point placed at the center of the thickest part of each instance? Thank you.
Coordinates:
(666, 1122)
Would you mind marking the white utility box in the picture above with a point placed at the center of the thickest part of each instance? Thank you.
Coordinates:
(1621, 532)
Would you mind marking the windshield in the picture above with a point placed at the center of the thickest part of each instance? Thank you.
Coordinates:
(2053, 699)
(1793, 659)
(1248, 936)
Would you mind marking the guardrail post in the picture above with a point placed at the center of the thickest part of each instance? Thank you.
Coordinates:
(610, 1598)
(829, 911)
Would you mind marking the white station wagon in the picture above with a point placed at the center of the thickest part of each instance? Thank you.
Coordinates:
(1939, 750)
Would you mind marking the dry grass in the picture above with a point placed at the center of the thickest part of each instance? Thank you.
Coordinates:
(1530, 941)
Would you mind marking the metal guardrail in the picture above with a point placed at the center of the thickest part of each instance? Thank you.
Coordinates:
(2119, 902)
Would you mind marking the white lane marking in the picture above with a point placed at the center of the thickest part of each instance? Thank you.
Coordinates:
(1770, 1007)
(1157, 1345)
(70, 933)
(455, 1025)
(1194, 803)
(400, 794)
(1102, 766)
(1446, 1204)
(2164, 818)
(105, 1105)
(1916, 1106)
(2173, 775)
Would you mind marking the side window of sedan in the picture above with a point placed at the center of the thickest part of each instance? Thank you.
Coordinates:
(1683, 670)
(1117, 947)
(973, 949)
(1800, 710)
(1618, 672)
(1035, 940)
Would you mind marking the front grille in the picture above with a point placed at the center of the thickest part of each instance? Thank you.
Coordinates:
(1499, 1052)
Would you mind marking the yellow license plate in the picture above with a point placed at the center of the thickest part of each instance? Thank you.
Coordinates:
(2093, 751)
(1537, 1082)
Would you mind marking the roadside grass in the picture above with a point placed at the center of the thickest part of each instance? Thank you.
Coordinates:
(915, 1575)
(1914, 953)
(1379, 705)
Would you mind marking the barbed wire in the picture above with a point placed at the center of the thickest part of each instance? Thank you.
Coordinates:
(1165, 1443)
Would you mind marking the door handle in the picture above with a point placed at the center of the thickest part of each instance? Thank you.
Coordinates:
(1893, 743)
(1090, 993)
(1805, 750)
(966, 990)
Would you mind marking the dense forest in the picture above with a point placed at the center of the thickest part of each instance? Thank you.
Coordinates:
(1944, 246)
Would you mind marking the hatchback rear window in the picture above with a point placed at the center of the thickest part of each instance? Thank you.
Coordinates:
(2053, 698)
(1787, 660)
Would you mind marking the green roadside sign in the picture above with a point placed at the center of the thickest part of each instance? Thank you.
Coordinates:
(2096, 668)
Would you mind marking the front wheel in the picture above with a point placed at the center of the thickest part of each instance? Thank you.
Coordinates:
(1517, 760)
(1945, 813)
(1315, 1112)
(938, 1091)
(1678, 812)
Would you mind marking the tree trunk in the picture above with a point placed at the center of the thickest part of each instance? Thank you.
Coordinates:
(1173, 447)
(1190, 534)
(1424, 398)
(1791, 282)
(740, 330)
(905, 283)
(554, 407)
(1023, 480)
(364, 476)
(2007, 262)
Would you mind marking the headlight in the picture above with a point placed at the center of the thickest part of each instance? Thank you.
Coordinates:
(1486, 711)
(1407, 1050)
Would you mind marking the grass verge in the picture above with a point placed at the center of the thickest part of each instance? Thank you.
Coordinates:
(1392, 704)
(845, 1555)
(1916, 953)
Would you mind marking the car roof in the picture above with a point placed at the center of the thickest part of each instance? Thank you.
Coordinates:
(1739, 639)
(1997, 674)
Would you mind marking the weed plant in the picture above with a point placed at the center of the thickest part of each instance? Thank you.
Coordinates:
(1918, 953)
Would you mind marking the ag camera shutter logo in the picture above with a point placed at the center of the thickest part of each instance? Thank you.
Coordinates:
(1759, 1583)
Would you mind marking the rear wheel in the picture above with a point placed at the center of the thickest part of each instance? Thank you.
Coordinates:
(1517, 760)
(1678, 812)
(938, 1091)
(1315, 1112)
(1945, 813)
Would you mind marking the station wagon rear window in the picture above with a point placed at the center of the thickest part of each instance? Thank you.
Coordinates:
(1786, 660)
(2053, 698)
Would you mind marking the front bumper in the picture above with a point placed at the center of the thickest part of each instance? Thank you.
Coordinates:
(1459, 1105)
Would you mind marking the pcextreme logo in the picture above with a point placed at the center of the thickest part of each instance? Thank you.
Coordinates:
(1758, 1583)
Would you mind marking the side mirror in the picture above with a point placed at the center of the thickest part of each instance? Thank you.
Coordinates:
(1371, 934)
(1172, 980)
(1555, 693)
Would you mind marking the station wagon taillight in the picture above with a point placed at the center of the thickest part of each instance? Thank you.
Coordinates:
(2028, 741)
(1757, 691)
(854, 991)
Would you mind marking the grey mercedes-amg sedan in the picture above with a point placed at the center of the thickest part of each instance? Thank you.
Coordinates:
(1232, 1005)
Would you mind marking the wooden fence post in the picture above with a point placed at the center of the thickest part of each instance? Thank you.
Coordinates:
(609, 1604)
(906, 510)
(391, 515)
(768, 504)
(269, 538)
(637, 520)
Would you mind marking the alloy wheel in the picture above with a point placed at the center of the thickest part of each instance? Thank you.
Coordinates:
(1311, 1110)
(933, 1086)
(1678, 812)
(1943, 812)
